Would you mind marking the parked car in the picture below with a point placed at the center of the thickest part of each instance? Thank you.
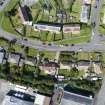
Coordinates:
(1, 3)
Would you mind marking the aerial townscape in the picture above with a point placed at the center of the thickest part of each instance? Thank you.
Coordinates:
(52, 52)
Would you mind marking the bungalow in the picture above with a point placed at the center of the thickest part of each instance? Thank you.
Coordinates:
(85, 13)
(47, 27)
(72, 28)
(24, 15)
(49, 68)
(14, 58)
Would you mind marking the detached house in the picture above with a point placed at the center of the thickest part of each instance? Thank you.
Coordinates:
(49, 68)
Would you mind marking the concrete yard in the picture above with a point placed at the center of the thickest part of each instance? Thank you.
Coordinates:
(4, 88)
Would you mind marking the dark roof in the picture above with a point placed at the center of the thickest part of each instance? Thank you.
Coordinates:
(25, 13)
(78, 91)
(26, 97)
(70, 98)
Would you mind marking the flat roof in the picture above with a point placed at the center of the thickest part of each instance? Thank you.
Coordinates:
(47, 27)
(74, 99)
(18, 98)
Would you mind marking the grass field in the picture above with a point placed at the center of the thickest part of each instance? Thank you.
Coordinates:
(102, 26)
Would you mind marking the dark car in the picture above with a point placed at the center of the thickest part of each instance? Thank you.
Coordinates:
(49, 44)
(1, 3)
(72, 44)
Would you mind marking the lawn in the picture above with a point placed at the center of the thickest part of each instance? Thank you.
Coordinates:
(75, 41)
(48, 54)
(101, 25)
(5, 21)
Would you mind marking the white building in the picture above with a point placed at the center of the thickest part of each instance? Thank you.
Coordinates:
(84, 16)
(47, 27)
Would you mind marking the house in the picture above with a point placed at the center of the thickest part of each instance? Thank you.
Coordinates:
(2, 55)
(67, 65)
(49, 68)
(42, 100)
(14, 58)
(72, 98)
(85, 13)
(29, 60)
(25, 16)
(85, 64)
(71, 28)
(14, 97)
(47, 27)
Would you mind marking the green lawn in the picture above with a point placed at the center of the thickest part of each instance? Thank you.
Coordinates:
(11, 5)
(101, 25)
(75, 41)
(48, 54)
